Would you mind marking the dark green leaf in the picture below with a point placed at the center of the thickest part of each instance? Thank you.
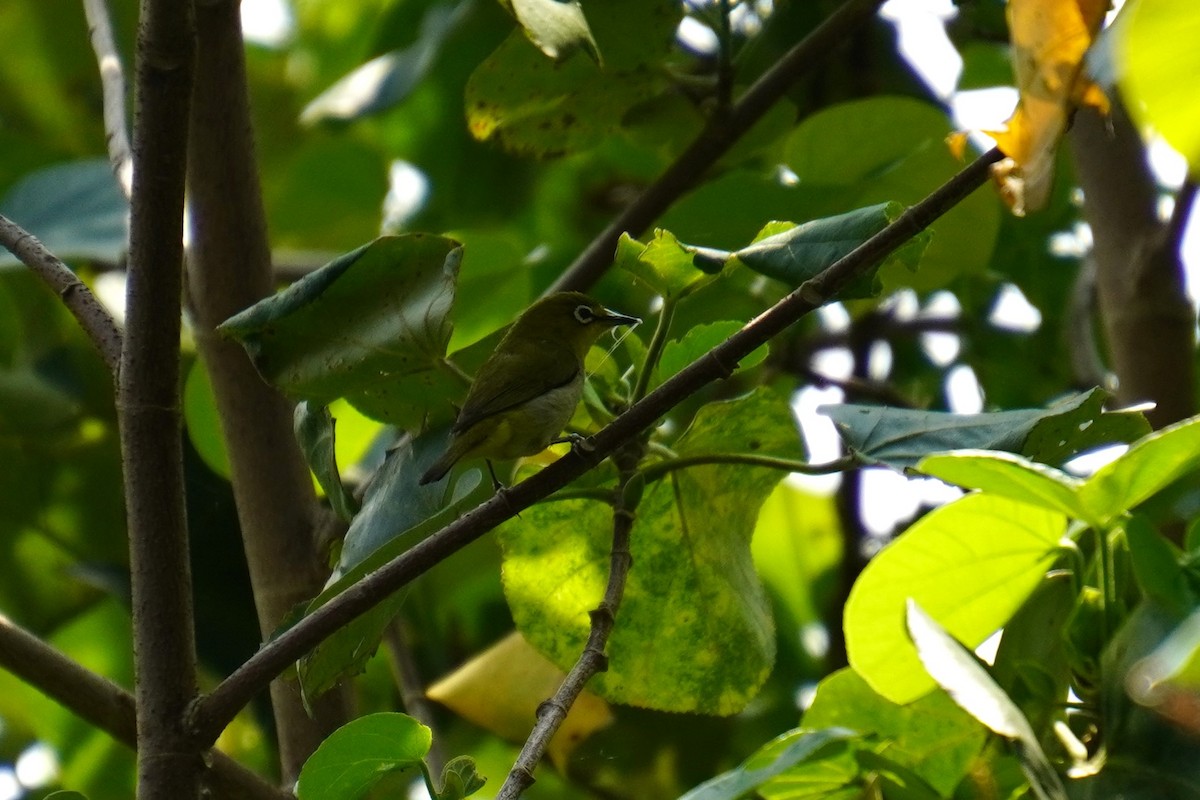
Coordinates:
(774, 758)
(315, 433)
(29, 405)
(460, 779)
(75, 209)
(697, 342)
(203, 420)
(900, 437)
(371, 326)
(357, 755)
(1156, 565)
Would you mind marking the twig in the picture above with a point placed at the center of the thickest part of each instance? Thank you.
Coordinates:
(662, 468)
(875, 390)
(412, 689)
(212, 712)
(95, 320)
(169, 761)
(713, 142)
(592, 660)
(112, 83)
(107, 706)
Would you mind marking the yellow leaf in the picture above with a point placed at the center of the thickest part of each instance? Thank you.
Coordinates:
(1049, 41)
(501, 688)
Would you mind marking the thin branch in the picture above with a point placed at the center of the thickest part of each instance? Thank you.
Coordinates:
(1185, 201)
(212, 712)
(713, 142)
(592, 660)
(169, 761)
(112, 83)
(661, 469)
(105, 705)
(876, 390)
(95, 320)
(412, 689)
(657, 342)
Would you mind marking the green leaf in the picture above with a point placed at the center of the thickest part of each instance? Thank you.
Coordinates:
(371, 326)
(30, 405)
(396, 514)
(774, 758)
(75, 209)
(931, 736)
(698, 341)
(357, 755)
(65, 794)
(315, 433)
(1152, 464)
(900, 437)
(694, 631)
(1156, 565)
(666, 265)
(795, 254)
(1156, 54)
(971, 562)
(203, 421)
(556, 27)
(893, 149)
(386, 80)
(460, 778)
(964, 679)
(1010, 476)
(533, 106)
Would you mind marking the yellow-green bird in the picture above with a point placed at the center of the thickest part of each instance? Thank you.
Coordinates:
(525, 393)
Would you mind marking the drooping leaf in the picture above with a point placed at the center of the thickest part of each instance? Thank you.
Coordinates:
(1049, 41)
(556, 27)
(797, 253)
(386, 80)
(931, 736)
(891, 149)
(371, 326)
(315, 433)
(774, 758)
(956, 670)
(1150, 465)
(900, 437)
(1156, 53)
(501, 688)
(664, 264)
(396, 514)
(357, 755)
(695, 631)
(530, 105)
(75, 209)
(1010, 476)
(972, 563)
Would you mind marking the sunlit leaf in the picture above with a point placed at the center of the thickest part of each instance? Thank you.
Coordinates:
(1010, 476)
(556, 27)
(1150, 465)
(972, 563)
(357, 755)
(964, 679)
(315, 432)
(694, 632)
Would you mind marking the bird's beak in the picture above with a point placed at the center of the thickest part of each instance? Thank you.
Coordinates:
(613, 318)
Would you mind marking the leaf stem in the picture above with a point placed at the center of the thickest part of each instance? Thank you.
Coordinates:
(662, 468)
(657, 342)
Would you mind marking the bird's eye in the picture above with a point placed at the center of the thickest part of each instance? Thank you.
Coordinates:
(584, 314)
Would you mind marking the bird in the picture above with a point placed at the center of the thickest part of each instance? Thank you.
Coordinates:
(526, 391)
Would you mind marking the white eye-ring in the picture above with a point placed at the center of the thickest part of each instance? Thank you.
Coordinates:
(584, 314)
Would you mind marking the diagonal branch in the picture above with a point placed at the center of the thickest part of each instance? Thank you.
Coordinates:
(210, 714)
(107, 706)
(713, 142)
(112, 83)
(96, 322)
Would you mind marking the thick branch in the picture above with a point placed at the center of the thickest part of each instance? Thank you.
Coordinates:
(713, 142)
(214, 711)
(96, 322)
(230, 269)
(1147, 317)
(112, 82)
(107, 706)
(169, 761)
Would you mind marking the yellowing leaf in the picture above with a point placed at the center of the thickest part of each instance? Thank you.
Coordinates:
(1049, 40)
(501, 688)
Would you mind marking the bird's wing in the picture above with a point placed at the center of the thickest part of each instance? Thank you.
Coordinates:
(498, 387)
